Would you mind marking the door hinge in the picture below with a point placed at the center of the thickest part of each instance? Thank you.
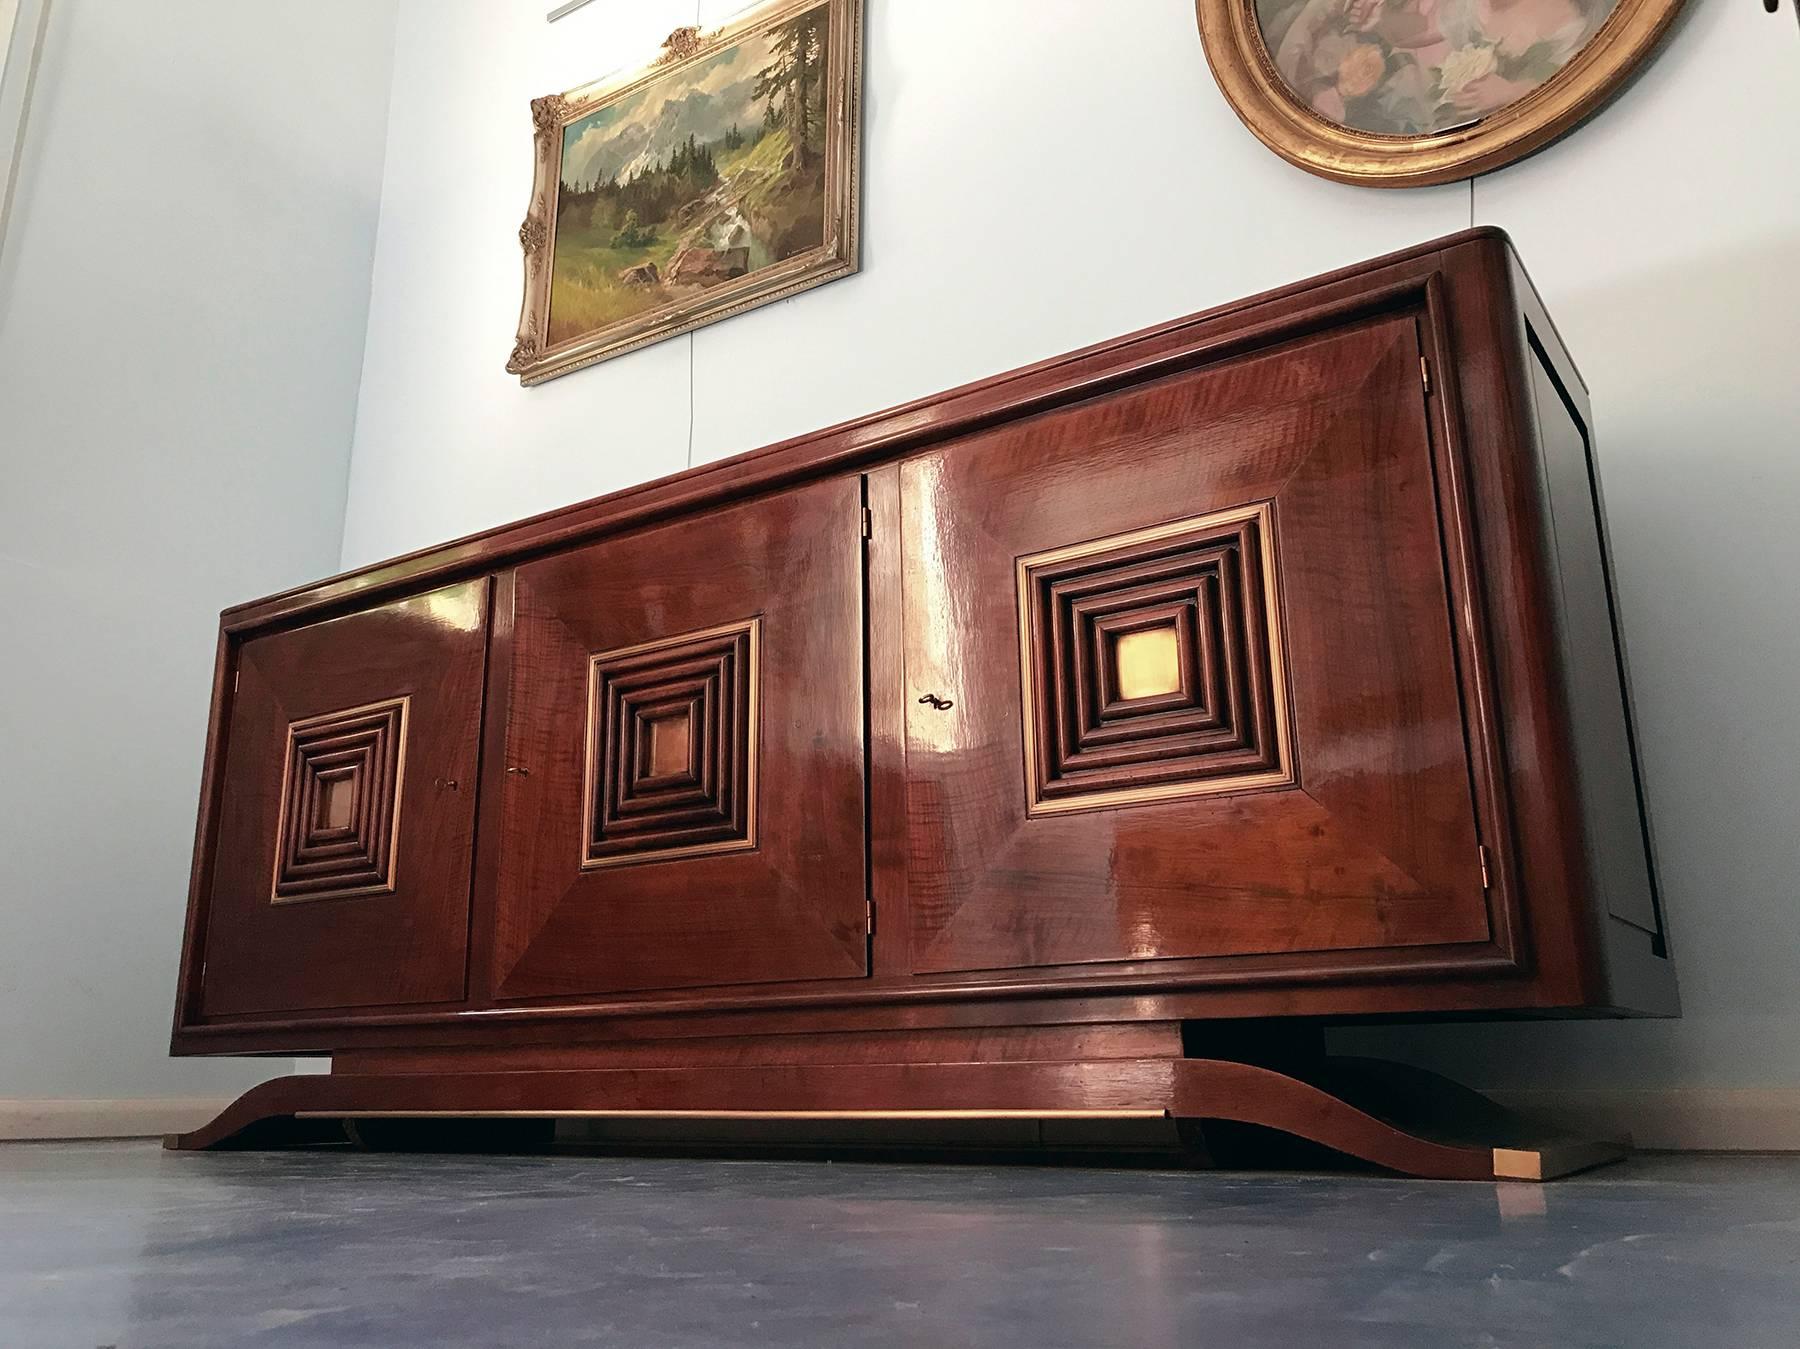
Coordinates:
(1425, 374)
(871, 926)
(1481, 854)
(235, 675)
(868, 523)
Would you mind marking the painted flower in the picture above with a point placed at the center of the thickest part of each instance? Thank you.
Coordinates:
(1360, 70)
(1464, 66)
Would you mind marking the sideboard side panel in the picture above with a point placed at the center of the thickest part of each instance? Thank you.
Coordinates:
(1625, 902)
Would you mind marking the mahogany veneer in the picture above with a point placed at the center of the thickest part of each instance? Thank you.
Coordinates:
(979, 757)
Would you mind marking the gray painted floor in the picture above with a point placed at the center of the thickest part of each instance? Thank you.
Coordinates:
(120, 1244)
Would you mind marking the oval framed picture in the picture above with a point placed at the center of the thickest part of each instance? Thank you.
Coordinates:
(1404, 93)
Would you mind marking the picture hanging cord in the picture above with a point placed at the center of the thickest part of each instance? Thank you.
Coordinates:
(570, 6)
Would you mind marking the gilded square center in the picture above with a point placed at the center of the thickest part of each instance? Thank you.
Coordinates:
(1147, 663)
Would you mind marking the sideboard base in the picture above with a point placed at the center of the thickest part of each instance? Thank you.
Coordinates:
(1391, 1116)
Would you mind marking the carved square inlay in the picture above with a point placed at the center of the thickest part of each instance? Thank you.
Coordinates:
(339, 819)
(1152, 664)
(672, 747)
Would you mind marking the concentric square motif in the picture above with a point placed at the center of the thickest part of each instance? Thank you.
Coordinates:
(672, 747)
(340, 803)
(1152, 665)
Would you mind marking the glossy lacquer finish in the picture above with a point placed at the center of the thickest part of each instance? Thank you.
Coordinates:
(1361, 833)
(347, 815)
(1279, 593)
(683, 785)
(1195, 687)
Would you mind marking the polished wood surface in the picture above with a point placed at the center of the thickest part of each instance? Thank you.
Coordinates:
(1372, 843)
(1369, 740)
(1403, 1120)
(980, 1044)
(1476, 258)
(306, 913)
(1631, 942)
(747, 867)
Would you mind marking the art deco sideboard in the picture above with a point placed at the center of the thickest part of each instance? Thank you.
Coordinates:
(1078, 742)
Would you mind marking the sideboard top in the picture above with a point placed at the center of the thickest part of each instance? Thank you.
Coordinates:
(1147, 353)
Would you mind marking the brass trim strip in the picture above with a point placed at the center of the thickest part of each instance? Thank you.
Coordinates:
(1263, 513)
(732, 1114)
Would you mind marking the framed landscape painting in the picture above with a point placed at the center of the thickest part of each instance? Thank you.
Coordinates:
(723, 177)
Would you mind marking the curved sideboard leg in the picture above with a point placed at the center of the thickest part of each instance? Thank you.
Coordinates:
(1398, 1118)
(268, 1115)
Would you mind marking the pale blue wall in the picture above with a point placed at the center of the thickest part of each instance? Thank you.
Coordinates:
(183, 298)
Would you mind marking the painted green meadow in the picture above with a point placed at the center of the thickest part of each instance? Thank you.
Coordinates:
(704, 176)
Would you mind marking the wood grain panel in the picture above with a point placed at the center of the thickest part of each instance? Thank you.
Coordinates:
(1541, 949)
(1374, 846)
(746, 866)
(304, 913)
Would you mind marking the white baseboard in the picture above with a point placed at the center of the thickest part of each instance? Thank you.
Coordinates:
(146, 1117)
(1678, 1119)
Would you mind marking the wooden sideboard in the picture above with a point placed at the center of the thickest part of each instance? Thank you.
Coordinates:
(1077, 742)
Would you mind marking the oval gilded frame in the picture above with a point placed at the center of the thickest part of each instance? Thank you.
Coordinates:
(1245, 70)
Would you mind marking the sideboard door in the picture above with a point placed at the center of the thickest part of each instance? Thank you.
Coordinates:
(683, 789)
(1182, 680)
(342, 861)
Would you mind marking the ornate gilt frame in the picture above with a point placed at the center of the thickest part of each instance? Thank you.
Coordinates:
(1241, 63)
(533, 360)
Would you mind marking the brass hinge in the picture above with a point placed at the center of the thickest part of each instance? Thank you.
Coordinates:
(1481, 854)
(1425, 374)
(868, 523)
(871, 927)
(234, 679)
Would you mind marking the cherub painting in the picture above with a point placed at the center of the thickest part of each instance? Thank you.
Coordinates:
(1412, 67)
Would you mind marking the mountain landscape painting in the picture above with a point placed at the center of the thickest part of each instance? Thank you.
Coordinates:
(710, 173)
